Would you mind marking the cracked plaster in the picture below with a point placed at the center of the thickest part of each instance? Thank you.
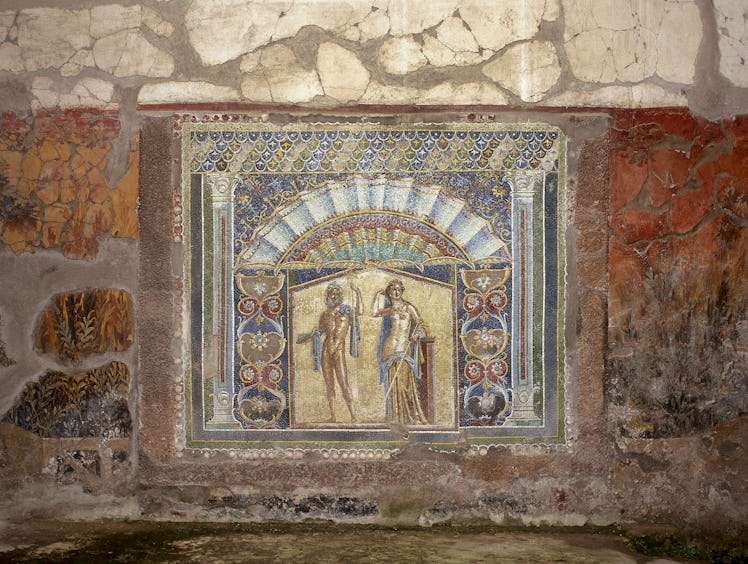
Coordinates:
(602, 42)
(106, 36)
(528, 69)
(6, 22)
(219, 35)
(186, 92)
(497, 24)
(732, 25)
(401, 55)
(608, 40)
(87, 92)
(636, 96)
(275, 75)
(445, 93)
(128, 53)
(341, 73)
(454, 44)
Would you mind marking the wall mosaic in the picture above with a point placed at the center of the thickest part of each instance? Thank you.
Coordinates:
(352, 286)
(87, 404)
(87, 322)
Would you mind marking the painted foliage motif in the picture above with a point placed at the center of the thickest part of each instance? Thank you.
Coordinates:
(352, 285)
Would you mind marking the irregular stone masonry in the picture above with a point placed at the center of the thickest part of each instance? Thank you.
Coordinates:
(530, 51)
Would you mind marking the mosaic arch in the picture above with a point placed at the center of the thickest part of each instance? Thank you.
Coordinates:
(357, 286)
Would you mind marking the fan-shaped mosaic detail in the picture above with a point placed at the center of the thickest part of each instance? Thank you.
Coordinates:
(375, 219)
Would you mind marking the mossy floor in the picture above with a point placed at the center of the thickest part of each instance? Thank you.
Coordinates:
(316, 542)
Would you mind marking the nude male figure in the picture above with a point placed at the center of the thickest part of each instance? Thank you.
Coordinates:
(335, 322)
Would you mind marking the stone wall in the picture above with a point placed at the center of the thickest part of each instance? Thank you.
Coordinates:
(653, 98)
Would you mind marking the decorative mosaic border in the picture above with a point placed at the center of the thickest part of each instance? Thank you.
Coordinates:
(243, 152)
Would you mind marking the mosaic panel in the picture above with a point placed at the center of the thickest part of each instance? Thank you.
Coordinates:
(361, 286)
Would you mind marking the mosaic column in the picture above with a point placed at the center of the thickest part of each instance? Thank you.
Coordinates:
(524, 187)
(220, 191)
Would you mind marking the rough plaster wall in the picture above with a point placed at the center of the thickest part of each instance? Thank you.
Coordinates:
(73, 74)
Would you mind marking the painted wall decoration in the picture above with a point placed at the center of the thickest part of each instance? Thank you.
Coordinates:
(86, 322)
(355, 286)
(87, 404)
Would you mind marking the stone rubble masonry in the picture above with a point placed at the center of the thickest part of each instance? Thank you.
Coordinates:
(562, 52)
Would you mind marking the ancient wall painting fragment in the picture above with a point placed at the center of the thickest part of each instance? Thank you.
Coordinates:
(86, 322)
(348, 286)
(86, 404)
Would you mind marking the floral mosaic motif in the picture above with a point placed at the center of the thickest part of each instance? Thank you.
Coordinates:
(484, 334)
(349, 150)
(86, 322)
(87, 404)
(261, 399)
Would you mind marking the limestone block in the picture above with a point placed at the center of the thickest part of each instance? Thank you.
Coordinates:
(156, 23)
(453, 45)
(401, 55)
(94, 92)
(222, 31)
(6, 22)
(128, 53)
(408, 17)
(278, 77)
(88, 92)
(471, 93)
(342, 74)
(732, 24)
(676, 50)
(112, 18)
(83, 58)
(604, 55)
(496, 24)
(49, 37)
(378, 93)
(164, 92)
(552, 10)
(330, 15)
(528, 69)
(635, 96)
(376, 24)
(10, 57)
(609, 41)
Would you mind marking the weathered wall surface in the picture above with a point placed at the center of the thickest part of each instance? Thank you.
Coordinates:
(653, 97)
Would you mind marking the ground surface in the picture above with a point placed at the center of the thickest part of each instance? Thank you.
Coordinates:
(318, 543)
